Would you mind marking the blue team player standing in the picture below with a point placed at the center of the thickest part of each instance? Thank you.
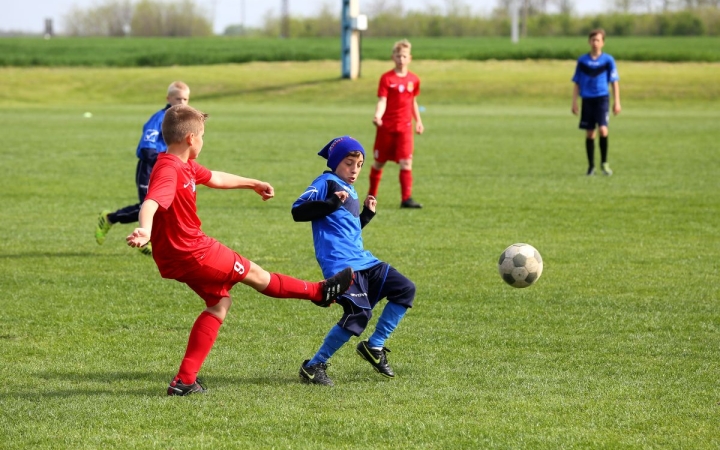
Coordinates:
(151, 143)
(333, 206)
(593, 73)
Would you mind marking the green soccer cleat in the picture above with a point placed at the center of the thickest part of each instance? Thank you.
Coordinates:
(102, 227)
(606, 169)
(376, 357)
(146, 249)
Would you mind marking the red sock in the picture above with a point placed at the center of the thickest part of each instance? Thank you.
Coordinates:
(202, 338)
(406, 184)
(375, 176)
(285, 286)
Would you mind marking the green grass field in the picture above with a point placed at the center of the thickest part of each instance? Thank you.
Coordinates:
(616, 346)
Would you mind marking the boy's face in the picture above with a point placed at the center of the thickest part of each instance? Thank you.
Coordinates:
(349, 168)
(196, 142)
(178, 98)
(402, 57)
(596, 43)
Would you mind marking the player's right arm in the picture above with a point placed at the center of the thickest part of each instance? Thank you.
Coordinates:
(576, 93)
(380, 111)
(141, 235)
(308, 211)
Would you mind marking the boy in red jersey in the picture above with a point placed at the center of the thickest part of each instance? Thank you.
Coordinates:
(396, 108)
(184, 253)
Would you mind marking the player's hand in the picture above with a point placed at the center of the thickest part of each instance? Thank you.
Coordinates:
(574, 109)
(342, 195)
(617, 108)
(370, 203)
(419, 128)
(138, 238)
(264, 190)
(377, 121)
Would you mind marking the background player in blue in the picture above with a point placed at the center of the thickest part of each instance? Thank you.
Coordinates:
(332, 205)
(593, 73)
(151, 143)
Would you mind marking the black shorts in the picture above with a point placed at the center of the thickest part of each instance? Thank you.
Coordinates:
(595, 113)
(368, 288)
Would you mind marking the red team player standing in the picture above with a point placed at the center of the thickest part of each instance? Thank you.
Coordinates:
(396, 108)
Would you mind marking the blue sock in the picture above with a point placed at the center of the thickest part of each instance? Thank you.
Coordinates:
(388, 321)
(336, 338)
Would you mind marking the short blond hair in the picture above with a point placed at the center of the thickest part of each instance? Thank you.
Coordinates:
(399, 45)
(178, 86)
(179, 121)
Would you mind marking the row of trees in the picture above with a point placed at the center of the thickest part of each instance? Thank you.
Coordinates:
(387, 18)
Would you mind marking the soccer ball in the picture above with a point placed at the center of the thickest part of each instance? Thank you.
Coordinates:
(520, 265)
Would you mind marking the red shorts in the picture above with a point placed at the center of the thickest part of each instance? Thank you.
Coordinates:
(393, 146)
(217, 275)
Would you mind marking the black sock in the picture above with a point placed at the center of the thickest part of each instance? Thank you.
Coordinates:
(590, 150)
(603, 149)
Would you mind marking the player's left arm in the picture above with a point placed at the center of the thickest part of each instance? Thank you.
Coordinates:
(419, 128)
(616, 97)
(223, 180)
(368, 211)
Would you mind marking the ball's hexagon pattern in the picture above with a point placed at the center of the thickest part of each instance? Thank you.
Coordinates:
(520, 265)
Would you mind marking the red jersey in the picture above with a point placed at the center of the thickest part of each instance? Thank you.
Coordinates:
(400, 93)
(178, 243)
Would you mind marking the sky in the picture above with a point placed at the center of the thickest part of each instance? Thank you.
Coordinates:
(29, 15)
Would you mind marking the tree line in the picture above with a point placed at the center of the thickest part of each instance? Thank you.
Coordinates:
(387, 18)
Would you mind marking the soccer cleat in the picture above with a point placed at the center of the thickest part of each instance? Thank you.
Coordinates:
(334, 287)
(177, 387)
(591, 171)
(102, 227)
(146, 249)
(315, 374)
(410, 203)
(376, 357)
(606, 169)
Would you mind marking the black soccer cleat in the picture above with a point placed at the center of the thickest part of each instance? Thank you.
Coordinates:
(377, 358)
(590, 171)
(177, 387)
(315, 374)
(410, 203)
(334, 287)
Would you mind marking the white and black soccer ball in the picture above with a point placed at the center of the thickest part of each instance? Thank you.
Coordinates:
(520, 265)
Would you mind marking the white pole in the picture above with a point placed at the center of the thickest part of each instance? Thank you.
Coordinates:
(514, 22)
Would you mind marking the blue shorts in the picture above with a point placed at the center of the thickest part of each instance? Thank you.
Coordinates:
(368, 288)
(595, 113)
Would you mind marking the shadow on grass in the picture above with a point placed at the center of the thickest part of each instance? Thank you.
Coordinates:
(116, 383)
(264, 89)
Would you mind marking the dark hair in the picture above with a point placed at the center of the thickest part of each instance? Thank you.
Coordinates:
(599, 31)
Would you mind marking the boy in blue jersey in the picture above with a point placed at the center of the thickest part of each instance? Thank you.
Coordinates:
(333, 206)
(593, 73)
(151, 143)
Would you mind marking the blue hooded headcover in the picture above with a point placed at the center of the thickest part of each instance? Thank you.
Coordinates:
(337, 149)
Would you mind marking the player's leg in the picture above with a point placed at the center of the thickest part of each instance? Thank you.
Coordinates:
(603, 122)
(588, 123)
(278, 285)
(380, 150)
(352, 323)
(386, 282)
(403, 143)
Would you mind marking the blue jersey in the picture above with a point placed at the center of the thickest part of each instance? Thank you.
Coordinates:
(594, 75)
(337, 236)
(152, 134)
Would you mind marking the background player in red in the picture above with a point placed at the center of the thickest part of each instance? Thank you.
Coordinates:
(183, 252)
(396, 108)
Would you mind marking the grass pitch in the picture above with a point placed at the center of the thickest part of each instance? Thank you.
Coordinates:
(616, 346)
